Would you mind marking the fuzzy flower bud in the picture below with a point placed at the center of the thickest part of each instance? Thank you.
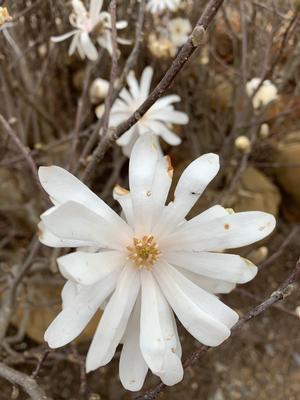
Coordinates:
(243, 144)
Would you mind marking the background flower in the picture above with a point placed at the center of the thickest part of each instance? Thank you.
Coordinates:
(158, 119)
(90, 22)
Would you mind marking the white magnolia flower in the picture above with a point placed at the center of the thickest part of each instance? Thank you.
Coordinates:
(158, 118)
(157, 6)
(90, 22)
(265, 94)
(147, 266)
(179, 30)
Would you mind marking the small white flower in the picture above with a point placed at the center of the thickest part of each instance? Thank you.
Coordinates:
(179, 30)
(157, 6)
(265, 94)
(147, 267)
(158, 118)
(98, 90)
(90, 22)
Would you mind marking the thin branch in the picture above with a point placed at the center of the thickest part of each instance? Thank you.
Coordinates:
(27, 383)
(26, 154)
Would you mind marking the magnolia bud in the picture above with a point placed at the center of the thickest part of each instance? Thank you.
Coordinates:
(98, 90)
(264, 131)
(243, 144)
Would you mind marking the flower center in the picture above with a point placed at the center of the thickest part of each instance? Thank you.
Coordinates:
(144, 252)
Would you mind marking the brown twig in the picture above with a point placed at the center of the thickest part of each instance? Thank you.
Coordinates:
(7, 128)
(194, 41)
(27, 383)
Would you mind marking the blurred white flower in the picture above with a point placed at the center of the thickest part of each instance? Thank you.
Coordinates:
(158, 118)
(157, 6)
(4, 15)
(265, 94)
(147, 266)
(87, 23)
(179, 30)
(98, 90)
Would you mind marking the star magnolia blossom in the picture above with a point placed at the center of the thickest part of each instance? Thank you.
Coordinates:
(87, 23)
(157, 6)
(156, 120)
(265, 94)
(148, 266)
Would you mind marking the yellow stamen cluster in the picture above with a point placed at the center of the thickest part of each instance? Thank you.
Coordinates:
(4, 15)
(144, 252)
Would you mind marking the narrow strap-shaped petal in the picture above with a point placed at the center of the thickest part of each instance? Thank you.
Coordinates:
(158, 339)
(123, 197)
(89, 268)
(229, 267)
(95, 8)
(62, 186)
(88, 46)
(145, 84)
(142, 166)
(190, 186)
(114, 320)
(214, 286)
(72, 220)
(49, 239)
(202, 314)
(228, 232)
(63, 37)
(132, 367)
(76, 314)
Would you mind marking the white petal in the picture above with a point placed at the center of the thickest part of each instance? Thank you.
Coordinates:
(158, 339)
(89, 268)
(76, 314)
(228, 232)
(162, 180)
(125, 139)
(49, 239)
(63, 186)
(88, 46)
(166, 101)
(228, 267)
(68, 293)
(172, 116)
(191, 185)
(95, 8)
(209, 214)
(114, 320)
(202, 314)
(146, 81)
(133, 85)
(123, 197)
(166, 134)
(65, 36)
(142, 165)
(132, 367)
(121, 24)
(214, 286)
(74, 221)
(193, 182)
(79, 8)
(74, 44)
